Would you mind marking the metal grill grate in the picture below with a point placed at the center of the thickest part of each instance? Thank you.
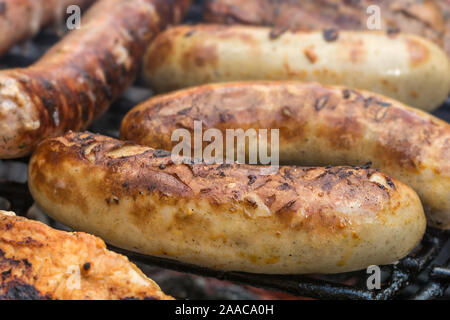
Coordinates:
(424, 274)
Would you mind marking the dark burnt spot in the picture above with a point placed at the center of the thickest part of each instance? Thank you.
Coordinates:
(368, 102)
(331, 35)
(162, 166)
(224, 166)
(276, 32)
(205, 190)
(19, 290)
(252, 179)
(287, 174)
(161, 153)
(184, 111)
(366, 166)
(3, 8)
(87, 266)
(380, 186)
(190, 33)
(222, 174)
(284, 186)
(125, 184)
(26, 263)
(8, 226)
(225, 117)
(322, 102)
(392, 31)
(6, 274)
(383, 104)
(287, 207)
(390, 182)
(346, 94)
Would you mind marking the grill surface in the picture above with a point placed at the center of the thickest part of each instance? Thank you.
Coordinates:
(424, 274)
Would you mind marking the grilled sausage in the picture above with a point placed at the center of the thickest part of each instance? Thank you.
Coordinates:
(38, 262)
(78, 78)
(22, 19)
(420, 17)
(405, 67)
(319, 125)
(227, 217)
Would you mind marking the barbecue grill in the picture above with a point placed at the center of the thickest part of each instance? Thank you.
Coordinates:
(424, 274)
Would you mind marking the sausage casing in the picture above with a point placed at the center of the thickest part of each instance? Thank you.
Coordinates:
(422, 17)
(22, 19)
(405, 67)
(227, 217)
(40, 263)
(318, 125)
(79, 77)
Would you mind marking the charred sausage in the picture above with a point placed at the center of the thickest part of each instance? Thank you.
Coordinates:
(78, 78)
(22, 19)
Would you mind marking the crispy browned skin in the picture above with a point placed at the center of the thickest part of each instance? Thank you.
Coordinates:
(421, 17)
(319, 125)
(22, 19)
(38, 262)
(78, 78)
(229, 217)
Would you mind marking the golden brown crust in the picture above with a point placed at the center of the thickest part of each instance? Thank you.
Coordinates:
(38, 262)
(79, 77)
(419, 17)
(21, 19)
(319, 125)
(128, 194)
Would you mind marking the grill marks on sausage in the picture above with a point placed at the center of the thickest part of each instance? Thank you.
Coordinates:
(70, 88)
(177, 184)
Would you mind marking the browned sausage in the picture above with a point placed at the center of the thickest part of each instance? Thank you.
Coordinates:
(319, 125)
(421, 17)
(227, 216)
(21, 19)
(79, 78)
